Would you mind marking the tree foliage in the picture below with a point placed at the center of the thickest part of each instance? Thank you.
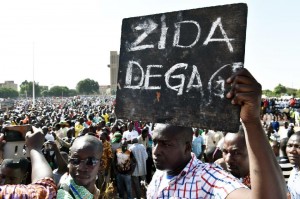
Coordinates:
(61, 91)
(26, 89)
(8, 93)
(87, 87)
(280, 90)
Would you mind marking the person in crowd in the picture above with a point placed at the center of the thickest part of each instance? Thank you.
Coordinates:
(143, 138)
(283, 160)
(291, 130)
(60, 159)
(275, 145)
(48, 134)
(65, 143)
(130, 134)
(115, 144)
(124, 166)
(292, 115)
(140, 171)
(283, 132)
(208, 139)
(197, 144)
(180, 174)
(79, 126)
(116, 141)
(213, 154)
(236, 157)
(42, 185)
(275, 124)
(64, 127)
(84, 164)
(218, 136)
(14, 171)
(106, 160)
(293, 153)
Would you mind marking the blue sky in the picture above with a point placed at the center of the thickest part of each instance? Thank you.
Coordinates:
(72, 38)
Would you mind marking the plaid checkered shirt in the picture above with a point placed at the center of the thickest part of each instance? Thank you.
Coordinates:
(196, 180)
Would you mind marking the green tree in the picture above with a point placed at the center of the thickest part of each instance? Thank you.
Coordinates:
(26, 89)
(298, 93)
(45, 93)
(72, 92)
(8, 93)
(59, 91)
(280, 89)
(291, 91)
(87, 87)
(268, 93)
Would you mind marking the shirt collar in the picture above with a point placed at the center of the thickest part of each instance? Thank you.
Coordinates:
(187, 169)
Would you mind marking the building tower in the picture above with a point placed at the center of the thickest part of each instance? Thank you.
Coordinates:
(114, 67)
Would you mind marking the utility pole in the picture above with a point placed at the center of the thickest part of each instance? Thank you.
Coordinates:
(33, 84)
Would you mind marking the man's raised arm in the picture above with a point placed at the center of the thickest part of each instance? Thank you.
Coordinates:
(266, 176)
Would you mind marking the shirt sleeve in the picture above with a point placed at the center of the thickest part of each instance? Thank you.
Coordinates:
(42, 189)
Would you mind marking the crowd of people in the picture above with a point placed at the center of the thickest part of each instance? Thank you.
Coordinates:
(77, 148)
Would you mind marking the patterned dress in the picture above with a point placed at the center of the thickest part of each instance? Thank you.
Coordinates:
(42, 189)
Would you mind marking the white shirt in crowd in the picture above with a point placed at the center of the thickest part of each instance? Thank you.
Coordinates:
(130, 135)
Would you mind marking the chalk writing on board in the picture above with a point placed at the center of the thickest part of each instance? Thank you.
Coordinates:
(217, 89)
(149, 26)
(173, 66)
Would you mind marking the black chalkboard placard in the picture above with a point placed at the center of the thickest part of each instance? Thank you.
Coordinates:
(173, 66)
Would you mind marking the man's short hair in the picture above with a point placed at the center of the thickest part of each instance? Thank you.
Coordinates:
(185, 133)
(92, 140)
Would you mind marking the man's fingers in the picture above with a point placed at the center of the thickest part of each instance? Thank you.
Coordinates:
(242, 88)
(240, 73)
(242, 98)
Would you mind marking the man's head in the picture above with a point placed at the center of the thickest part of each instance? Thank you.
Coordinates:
(57, 127)
(14, 172)
(286, 125)
(81, 120)
(124, 145)
(103, 137)
(196, 132)
(293, 149)
(235, 154)
(135, 141)
(130, 126)
(45, 129)
(145, 133)
(70, 132)
(84, 160)
(171, 147)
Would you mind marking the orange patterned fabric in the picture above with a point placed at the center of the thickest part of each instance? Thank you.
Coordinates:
(42, 189)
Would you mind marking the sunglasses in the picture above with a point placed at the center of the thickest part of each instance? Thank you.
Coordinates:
(90, 161)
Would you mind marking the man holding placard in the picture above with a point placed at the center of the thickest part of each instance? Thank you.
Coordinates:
(174, 69)
(181, 175)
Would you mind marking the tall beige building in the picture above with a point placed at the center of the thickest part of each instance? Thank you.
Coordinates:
(9, 84)
(114, 67)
